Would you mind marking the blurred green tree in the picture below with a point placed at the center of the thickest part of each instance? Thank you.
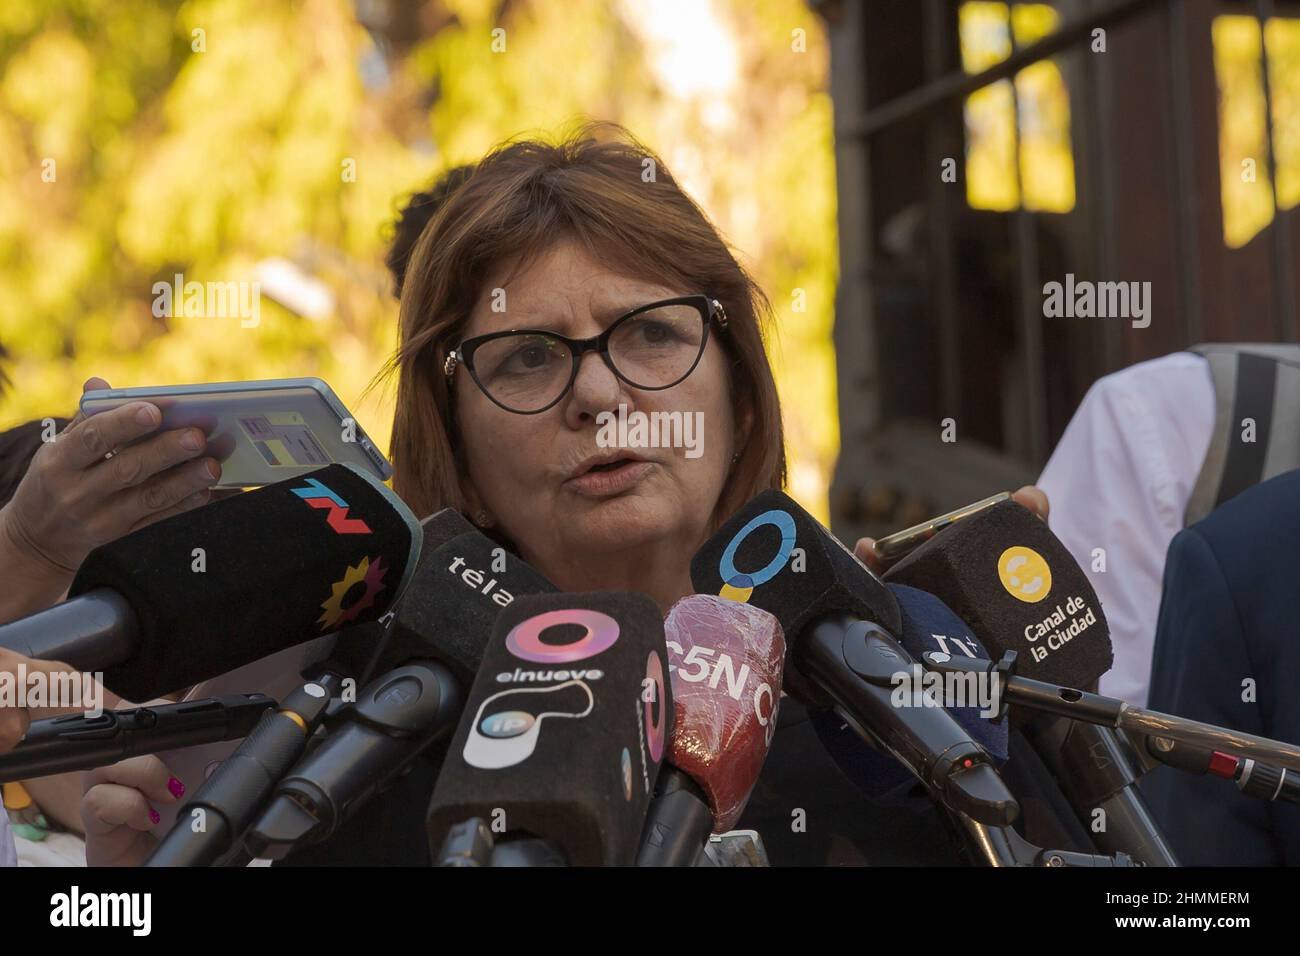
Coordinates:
(237, 140)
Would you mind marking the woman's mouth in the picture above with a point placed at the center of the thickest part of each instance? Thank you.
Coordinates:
(606, 479)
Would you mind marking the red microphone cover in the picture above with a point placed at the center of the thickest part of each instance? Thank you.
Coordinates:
(725, 661)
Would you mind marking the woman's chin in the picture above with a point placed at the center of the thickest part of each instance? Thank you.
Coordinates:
(626, 522)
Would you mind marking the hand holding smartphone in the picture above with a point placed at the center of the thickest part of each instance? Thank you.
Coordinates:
(894, 546)
(261, 432)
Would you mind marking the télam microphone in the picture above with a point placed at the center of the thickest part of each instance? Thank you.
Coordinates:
(1018, 587)
(839, 620)
(564, 728)
(928, 625)
(452, 604)
(724, 661)
(434, 646)
(205, 592)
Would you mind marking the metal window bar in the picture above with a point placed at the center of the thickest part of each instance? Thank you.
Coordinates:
(1283, 298)
(941, 91)
(1029, 303)
(939, 144)
(1184, 175)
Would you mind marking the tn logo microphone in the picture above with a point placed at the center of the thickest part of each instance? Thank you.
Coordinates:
(319, 496)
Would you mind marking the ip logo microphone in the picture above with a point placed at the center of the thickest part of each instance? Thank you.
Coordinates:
(565, 726)
(505, 730)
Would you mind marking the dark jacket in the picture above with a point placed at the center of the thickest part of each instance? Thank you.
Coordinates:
(1229, 622)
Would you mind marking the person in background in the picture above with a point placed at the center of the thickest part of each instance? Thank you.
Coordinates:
(1227, 653)
(1152, 449)
(61, 499)
(414, 216)
(86, 487)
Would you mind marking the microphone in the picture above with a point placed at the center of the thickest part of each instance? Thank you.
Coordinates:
(1010, 578)
(81, 742)
(432, 650)
(1004, 573)
(564, 728)
(928, 625)
(395, 718)
(839, 620)
(452, 603)
(724, 664)
(205, 592)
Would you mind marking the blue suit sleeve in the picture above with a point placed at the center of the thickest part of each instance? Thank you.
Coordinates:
(1200, 661)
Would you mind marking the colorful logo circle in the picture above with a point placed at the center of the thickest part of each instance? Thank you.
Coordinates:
(525, 639)
(738, 585)
(1024, 574)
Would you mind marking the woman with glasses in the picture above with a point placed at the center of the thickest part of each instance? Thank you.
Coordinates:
(558, 283)
(554, 285)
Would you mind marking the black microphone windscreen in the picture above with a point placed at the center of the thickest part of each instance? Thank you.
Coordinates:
(439, 528)
(775, 555)
(453, 601)
(1004, 573)
(240, 578)
(928, 625)
(564, 728)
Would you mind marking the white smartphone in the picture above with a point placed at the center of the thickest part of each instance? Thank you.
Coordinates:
(261, 432)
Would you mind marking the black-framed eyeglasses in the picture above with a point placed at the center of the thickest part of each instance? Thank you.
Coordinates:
(653, 347)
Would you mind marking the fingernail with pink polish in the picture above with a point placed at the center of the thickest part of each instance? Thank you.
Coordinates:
(176, 787)
(154, 816)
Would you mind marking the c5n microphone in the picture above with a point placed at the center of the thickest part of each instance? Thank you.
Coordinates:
(205, 592)
(1013, 581)
(838, 621)
(725, 661)
(928, 625)
(564, 728)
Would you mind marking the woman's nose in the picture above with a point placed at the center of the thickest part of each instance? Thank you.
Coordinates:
(596, 389)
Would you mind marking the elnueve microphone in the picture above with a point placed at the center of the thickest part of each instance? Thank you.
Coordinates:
(210, 590)
(724, 661)
(564, 728)
(838, 620)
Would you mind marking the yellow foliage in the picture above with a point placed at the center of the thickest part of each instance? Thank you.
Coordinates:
(209, 136)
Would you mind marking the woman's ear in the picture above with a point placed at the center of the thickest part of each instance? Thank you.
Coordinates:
(744, 428)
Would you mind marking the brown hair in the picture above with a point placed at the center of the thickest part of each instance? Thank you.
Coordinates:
(615, 198)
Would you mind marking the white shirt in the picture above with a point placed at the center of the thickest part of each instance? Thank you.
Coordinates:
(1120, 480)
(8, 853)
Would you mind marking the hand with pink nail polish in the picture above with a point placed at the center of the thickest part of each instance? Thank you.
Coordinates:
(118, 812)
